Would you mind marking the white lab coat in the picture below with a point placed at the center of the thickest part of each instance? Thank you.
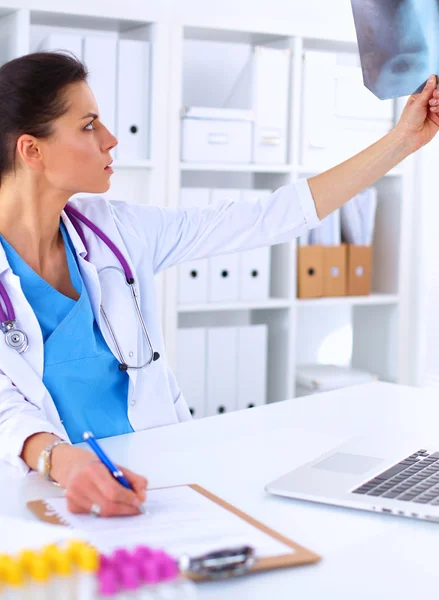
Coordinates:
(151, 239)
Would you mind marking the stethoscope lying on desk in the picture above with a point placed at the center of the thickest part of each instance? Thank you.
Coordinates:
(18, 340)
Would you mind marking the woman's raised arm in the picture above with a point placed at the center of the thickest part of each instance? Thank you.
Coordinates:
(418, 124)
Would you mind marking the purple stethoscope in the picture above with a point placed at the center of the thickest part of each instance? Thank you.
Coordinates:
(18, 340)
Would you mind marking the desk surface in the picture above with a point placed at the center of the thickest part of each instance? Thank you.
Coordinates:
(365, 555)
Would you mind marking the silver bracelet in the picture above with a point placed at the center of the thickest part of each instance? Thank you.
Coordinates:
(45, 459)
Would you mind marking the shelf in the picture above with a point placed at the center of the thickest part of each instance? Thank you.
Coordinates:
(269, 303)
(316, 169)
(373, 299)
(239, 168)
(132, 164)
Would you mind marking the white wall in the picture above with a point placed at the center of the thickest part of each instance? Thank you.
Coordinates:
(325, 15)
(323, 18)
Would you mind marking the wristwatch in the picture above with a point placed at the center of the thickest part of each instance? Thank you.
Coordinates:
(44, 463)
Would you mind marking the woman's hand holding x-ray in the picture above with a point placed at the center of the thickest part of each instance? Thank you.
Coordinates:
(420, 118)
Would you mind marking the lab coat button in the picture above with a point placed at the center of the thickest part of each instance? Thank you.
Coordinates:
(133, 402)
(131, 353)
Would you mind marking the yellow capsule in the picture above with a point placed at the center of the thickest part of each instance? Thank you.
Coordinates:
(39, 569)
(74, 549)
(13, 574)
(5, 563)
(48, 550)
(5, 560)
(25, 558)
(61, 563)
(89, 560)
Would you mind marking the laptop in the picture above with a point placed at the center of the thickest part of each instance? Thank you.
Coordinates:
(395, 475)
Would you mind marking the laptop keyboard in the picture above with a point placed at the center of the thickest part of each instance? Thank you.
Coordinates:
(414, 479)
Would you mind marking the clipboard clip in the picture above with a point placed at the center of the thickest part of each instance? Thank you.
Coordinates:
(219, 564)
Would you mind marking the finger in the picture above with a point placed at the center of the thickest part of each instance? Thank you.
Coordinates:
(434, 117)
(426, 93)
(138, 482)
(74, 506)
(82, 497)
(112, 489)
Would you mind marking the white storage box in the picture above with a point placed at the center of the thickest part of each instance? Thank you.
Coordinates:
(324, 378)
(353, 117)
(216, 135)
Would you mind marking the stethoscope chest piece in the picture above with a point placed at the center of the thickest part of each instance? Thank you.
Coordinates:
(15, 338)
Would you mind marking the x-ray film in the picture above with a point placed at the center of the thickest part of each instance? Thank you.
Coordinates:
(398, 42)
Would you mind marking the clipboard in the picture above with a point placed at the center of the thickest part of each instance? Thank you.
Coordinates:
(300, 556)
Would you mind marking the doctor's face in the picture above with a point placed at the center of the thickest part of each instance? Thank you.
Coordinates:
(76, 156)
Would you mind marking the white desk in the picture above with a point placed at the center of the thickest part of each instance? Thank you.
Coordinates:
(365, 556)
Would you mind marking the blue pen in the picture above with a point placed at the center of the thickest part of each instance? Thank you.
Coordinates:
(115, 471)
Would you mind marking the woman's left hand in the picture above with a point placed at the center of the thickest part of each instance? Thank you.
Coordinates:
(420, 118)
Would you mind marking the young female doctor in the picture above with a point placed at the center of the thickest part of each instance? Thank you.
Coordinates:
(81, 351)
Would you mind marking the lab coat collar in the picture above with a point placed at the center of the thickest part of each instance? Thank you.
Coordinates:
(101, 257)
(4, 265)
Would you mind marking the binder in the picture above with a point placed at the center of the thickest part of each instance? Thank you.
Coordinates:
(310, 271)
(222, 370)
(359, 270)
(270, 102)
(318, 129)
(255, 265)
(334, 270)
(252, 366)
(295, 556)
(191, 368)
(133, 101)
(328, 233)
(62, 41)
(99, 54)
(224, 269)
(193, 274)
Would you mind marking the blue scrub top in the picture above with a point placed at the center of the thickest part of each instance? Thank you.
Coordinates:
(80, 372)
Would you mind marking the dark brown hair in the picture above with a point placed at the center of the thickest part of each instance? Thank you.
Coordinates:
(31, 98)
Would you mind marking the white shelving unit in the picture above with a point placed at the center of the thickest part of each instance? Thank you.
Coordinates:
(370, 332)
(137, 181)
(365, 332)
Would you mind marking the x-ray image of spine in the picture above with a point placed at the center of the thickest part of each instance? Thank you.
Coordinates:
(398, 42)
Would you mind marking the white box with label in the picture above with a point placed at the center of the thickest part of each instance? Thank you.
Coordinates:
(216, 135)
(353, 117)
